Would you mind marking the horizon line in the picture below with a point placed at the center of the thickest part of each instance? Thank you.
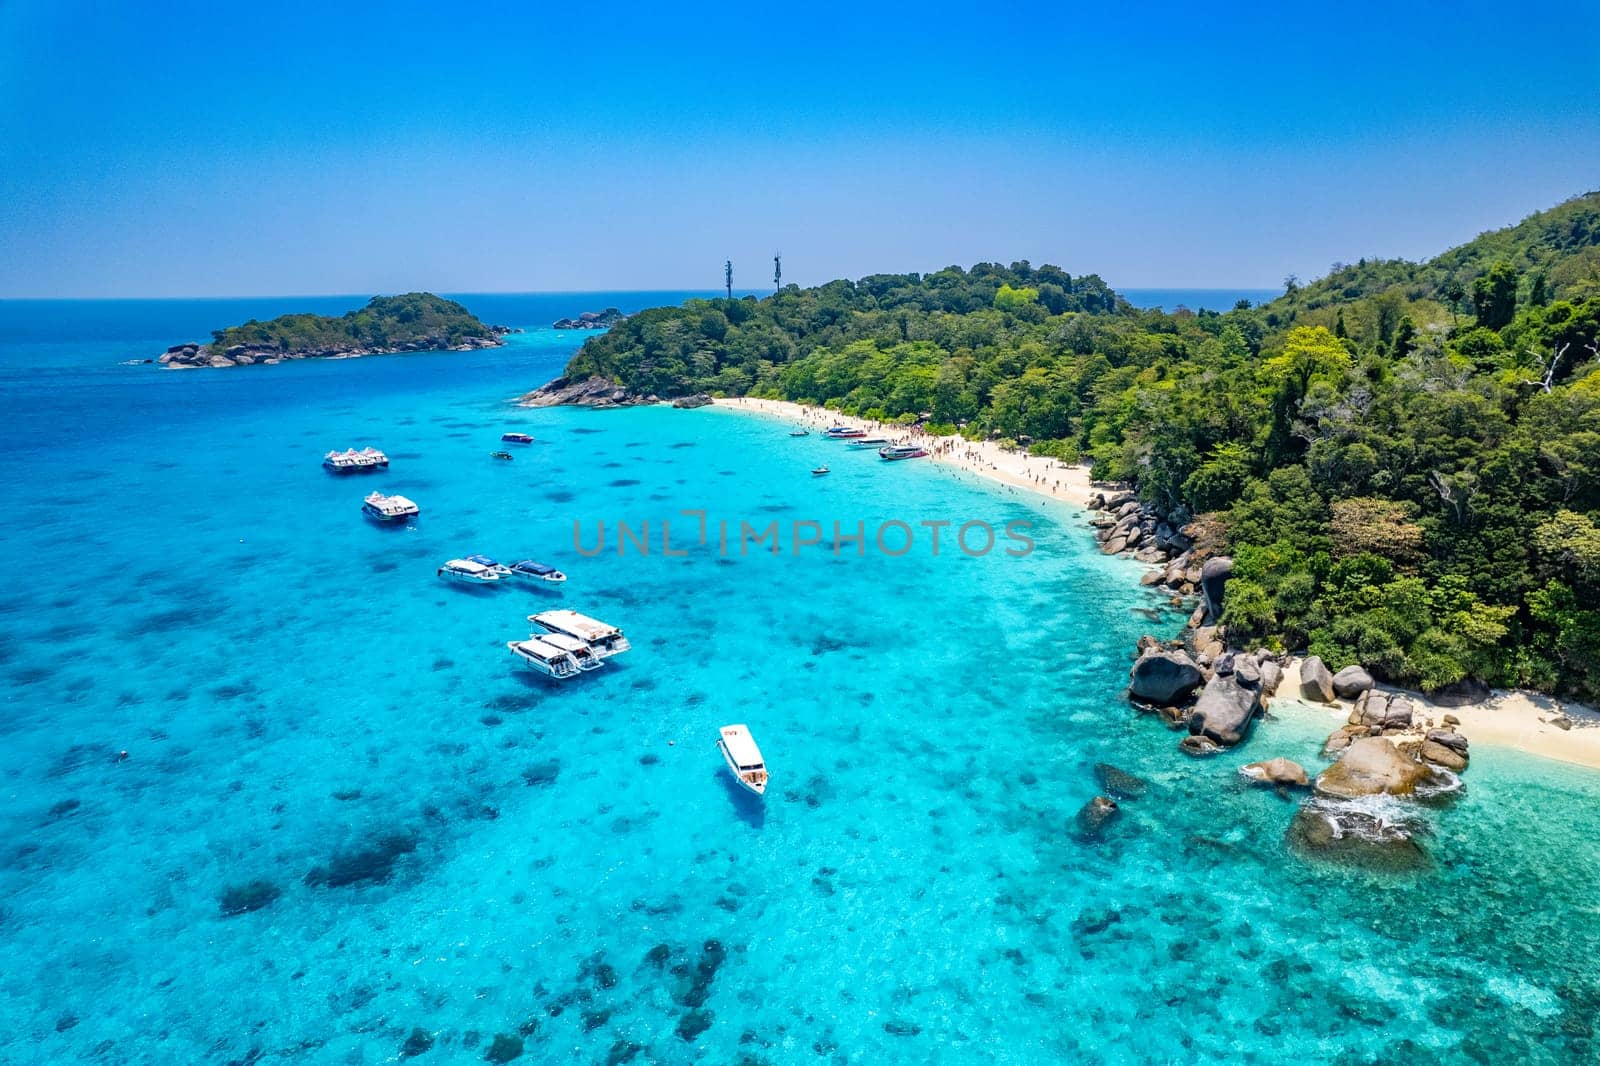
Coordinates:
(765, 291)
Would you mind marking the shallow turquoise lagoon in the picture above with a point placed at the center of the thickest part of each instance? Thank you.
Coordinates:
(466, 850)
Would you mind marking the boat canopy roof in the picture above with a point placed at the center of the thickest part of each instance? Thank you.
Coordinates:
(467, 565)
(579, 625)
(564, 641)
(531, 567)
(481, 560)
(541, 649)
(742, 747)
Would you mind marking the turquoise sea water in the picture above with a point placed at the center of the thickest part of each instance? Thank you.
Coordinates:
(463, 849)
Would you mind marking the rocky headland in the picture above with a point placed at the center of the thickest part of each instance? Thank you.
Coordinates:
(592, 320)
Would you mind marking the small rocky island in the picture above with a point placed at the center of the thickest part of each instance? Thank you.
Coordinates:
(414, 322)
(592, 320)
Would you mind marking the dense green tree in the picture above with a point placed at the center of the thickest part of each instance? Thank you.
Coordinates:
(1494, 296)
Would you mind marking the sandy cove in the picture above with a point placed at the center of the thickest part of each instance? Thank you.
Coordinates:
(1522, 721)
(1046, 477)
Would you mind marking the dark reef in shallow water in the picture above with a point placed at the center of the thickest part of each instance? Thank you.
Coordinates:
(241, 899)
(373, 862)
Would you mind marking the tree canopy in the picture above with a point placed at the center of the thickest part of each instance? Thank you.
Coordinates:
(1404, 458)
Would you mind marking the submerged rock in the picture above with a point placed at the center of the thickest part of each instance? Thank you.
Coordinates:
(241, 899)
(1120, 783)
(1369, 766)
(692, 1024)
(1281, 773)
(1316, 683)
(1093, 816)
(373, 862)
(1353, 836)
(1164, 677)
(505, 1048)
(1198, 745)
(418, 1043)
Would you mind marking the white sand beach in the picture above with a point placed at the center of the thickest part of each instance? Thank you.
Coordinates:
(1524, 721)
(1047, 477)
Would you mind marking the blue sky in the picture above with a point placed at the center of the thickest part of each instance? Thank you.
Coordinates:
(174, 148)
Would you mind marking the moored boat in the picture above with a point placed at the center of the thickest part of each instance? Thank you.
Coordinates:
(348, 461)
(468, 572)
(489, 564)
(536, 573)
(870, 442)
(545, 657)
(581, 652)
(901, 451)
(800, 433)
(507, 456)
(604, 638)
(843, 433)
(744, 759)
(819, 471)
(516, 438)
(374, 458)
(383, 508)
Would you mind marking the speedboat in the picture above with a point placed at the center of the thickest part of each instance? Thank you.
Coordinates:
(580, 651)
(819, 471)
(528, 570)
(383, 508)
(901, 451)
(516, 438)
(545, 657)
(800, 433)
(870, 442)
(374, 459)
(507, 456)
(744, 760)
(468, 572)
(489, 564)
(606, 640)
(844, 433)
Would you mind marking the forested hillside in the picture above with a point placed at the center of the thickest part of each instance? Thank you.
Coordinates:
(1403, 458)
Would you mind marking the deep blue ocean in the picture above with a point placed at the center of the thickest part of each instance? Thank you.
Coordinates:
(458, 855)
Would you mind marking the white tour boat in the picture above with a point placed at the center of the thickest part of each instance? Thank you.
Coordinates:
(744, 760)
(383, 508)
(605, 639)
(374, 458)
(536, 573)
(485, 561)
(870, 442)
(468, 572)
(545, 657)
(579, 650)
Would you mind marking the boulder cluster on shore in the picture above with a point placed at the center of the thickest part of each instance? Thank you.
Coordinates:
(185, 356)
(1215, 694)
(591, 320)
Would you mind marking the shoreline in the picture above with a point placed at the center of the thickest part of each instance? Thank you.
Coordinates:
(1050, 478)
(1513, 719)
